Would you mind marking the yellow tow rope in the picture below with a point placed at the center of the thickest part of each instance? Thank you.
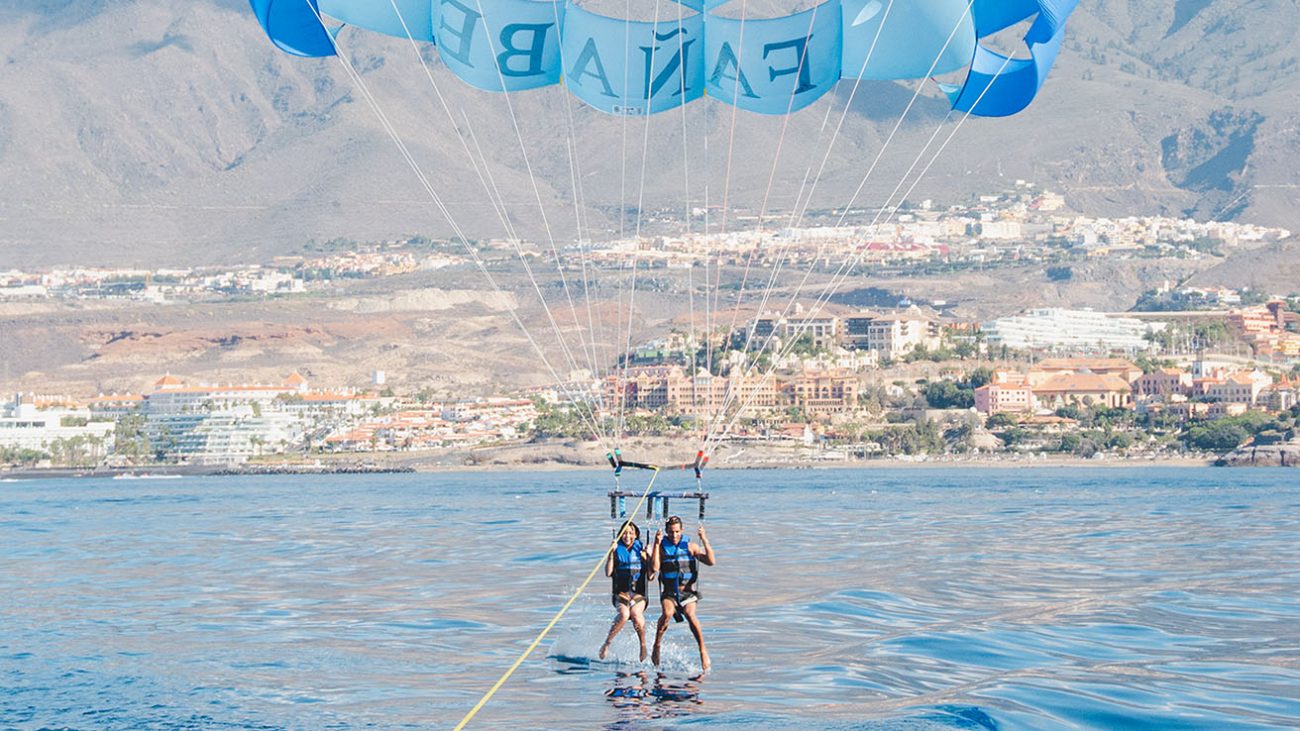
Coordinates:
(533, 646)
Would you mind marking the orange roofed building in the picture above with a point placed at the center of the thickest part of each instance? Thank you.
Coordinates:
(1051, 367)
(1084, 389)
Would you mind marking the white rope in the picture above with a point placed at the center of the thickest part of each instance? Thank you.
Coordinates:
(797, 214)
(780, 259)
(837, 279)
(731, 137)
(785, 119)
(537, 193)
(389, 128)
(846, 269)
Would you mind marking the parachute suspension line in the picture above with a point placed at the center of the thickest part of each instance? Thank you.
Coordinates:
(590, 350)
(785, 120)
(717, 307)
(708, 312)
(559, 614)
(686, 217)
(622, 235)
(803, 184)
(528, 269)
(537, 193)
(640, 203)
(482, 168)
(645, 136)
(579, 203)
(488, 182)
(933, 65)
(842, 272)
(762, 211)
(411, 162)
(726, 197)
(839, 276)
(731, 134)
(779, 262)
(847, 268)
(726, 182)
(801, 209)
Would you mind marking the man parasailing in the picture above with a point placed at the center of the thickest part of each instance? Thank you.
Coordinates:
(675, 559)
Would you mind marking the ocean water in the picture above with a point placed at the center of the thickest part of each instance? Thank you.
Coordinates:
(872, 599)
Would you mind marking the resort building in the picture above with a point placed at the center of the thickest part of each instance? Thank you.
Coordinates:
(1119, 367)
(822, 392)
(1084, 389)
(1163, 382)
(1239, 388)
(998, 398)
(232, 423)
(669, 389)
(39, 423)
(1265, 329)
(823, 329)
(1062, 330)
(893, 335)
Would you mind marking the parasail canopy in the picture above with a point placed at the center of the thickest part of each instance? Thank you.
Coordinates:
(765, 65)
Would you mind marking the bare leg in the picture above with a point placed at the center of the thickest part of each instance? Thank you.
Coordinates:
(694, 622)
(666, 609)
(613, 630)
(638, 623)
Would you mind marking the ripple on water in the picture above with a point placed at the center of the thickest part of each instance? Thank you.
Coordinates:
(1026, 599)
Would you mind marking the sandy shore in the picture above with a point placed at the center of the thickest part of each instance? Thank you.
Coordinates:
(673, 454)
(560, 455)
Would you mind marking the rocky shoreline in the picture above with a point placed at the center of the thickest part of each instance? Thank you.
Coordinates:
(1267, 455)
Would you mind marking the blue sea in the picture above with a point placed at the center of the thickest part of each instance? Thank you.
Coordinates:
(1037, 598)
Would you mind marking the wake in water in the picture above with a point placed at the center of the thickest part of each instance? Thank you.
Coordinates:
(577, 647)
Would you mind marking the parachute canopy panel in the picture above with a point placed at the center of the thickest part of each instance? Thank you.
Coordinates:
(294, 26)
(398, 18)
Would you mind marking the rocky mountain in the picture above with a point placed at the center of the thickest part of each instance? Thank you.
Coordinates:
(171, 132)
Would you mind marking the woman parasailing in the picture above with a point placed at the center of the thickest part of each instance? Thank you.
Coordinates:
(628, 566)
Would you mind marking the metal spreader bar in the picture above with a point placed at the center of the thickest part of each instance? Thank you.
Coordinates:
(657, 502)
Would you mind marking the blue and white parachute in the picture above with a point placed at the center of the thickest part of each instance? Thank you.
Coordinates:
(765, 65)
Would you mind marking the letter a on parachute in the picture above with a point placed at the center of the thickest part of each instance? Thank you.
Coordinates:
(764, 65)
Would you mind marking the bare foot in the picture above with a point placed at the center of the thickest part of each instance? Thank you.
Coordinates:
(654, 657)
(704, 659)
(604, 650)
(642, 653)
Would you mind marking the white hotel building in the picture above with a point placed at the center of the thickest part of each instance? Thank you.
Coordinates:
(232, 423)
(26, 424)
(1058, 329)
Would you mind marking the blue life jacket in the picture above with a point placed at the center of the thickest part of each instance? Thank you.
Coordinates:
(629, 573)
(677, 568)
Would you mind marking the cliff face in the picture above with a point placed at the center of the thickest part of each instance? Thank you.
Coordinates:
(170, 131)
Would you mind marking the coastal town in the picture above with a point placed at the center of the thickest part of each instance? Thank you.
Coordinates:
(843, 387)
(1187, 370)
(1020, 225)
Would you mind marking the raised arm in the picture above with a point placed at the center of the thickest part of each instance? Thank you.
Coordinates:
(704, 551)
(646, 555)
(609, 560)
(654, 553)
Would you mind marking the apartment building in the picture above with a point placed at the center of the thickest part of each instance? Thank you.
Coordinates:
(1059, 329)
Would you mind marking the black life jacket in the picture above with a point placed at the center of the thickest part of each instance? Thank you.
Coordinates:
(629, 571)
(677, 568)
